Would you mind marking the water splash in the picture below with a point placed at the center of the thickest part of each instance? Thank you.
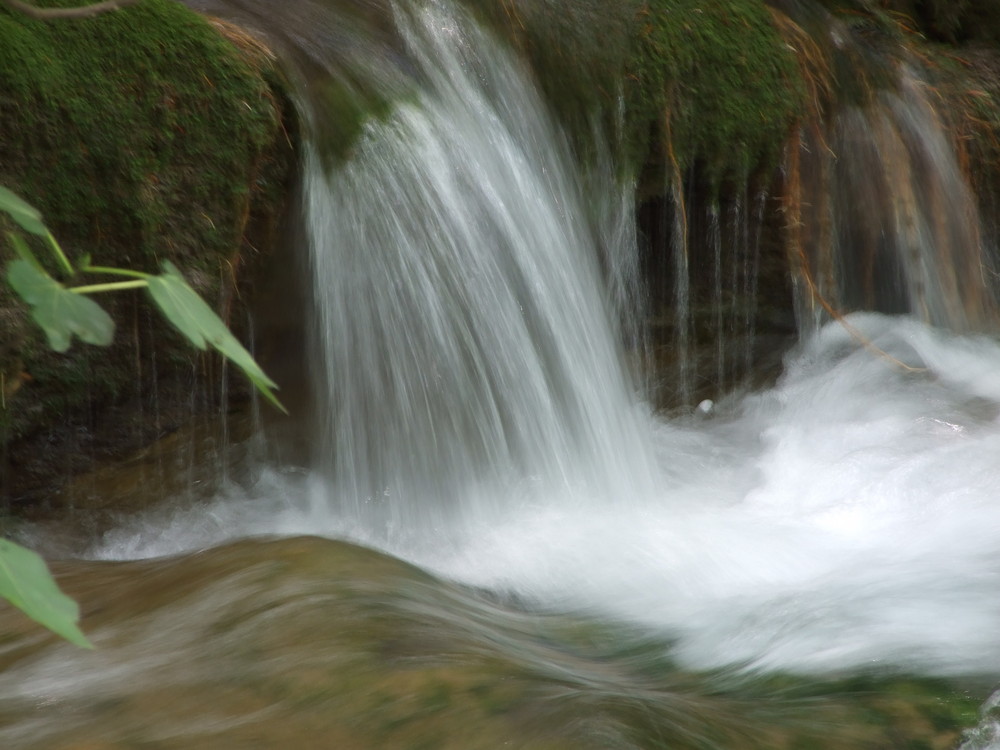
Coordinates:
(842, 519)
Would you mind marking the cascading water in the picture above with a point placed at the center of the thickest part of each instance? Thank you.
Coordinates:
(477, 418)
(466, 348)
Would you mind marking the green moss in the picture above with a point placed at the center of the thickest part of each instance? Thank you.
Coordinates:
(138, 133)
(142, 135)
(717, 76)
(344, 106)
(716, 82)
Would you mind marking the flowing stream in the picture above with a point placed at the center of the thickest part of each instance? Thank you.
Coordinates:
(507, 548)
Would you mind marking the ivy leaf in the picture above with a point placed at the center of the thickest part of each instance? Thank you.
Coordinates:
(26, 216)
(60, 312)
(190, 315)
(26, 583)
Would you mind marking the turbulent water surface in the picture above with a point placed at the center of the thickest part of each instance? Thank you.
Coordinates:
(843, 518)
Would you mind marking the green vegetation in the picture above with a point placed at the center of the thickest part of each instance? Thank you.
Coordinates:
(26, 583)
(117, 126)
(65, 312)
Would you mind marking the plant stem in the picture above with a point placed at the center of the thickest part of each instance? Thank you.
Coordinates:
(117, 272)
(60, 255)
(113, 286)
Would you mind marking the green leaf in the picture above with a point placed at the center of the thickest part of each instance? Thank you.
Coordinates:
(26, 583)
(26, 216)
(190, 315)
(60, 312)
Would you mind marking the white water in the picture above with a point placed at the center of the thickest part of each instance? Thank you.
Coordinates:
(847, 517)
(466, 347)
(478, 421)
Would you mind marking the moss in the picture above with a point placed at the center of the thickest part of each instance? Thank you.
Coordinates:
(138, 133)
(716, 82)
(344, 106)
(142, 135)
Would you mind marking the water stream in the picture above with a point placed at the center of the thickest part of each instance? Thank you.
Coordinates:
(515, 550)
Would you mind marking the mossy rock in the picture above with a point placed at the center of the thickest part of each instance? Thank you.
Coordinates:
(712, 86)
(144, 134)
(718, 84)
(139, 133)
(312, 643)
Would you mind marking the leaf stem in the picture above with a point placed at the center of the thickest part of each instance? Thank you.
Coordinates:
(60, 255)
(113, 286)
(117, 272)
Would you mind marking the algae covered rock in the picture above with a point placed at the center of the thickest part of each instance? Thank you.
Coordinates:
(146, 134)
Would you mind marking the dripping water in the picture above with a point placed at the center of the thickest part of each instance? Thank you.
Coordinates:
(897, 224)
(685, 372)
(718, 302)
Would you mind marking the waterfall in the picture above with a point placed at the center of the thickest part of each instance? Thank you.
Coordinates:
(471, 283)
(466, 349)
(891, 223)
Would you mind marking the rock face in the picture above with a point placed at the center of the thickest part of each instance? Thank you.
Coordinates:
(146, 134)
